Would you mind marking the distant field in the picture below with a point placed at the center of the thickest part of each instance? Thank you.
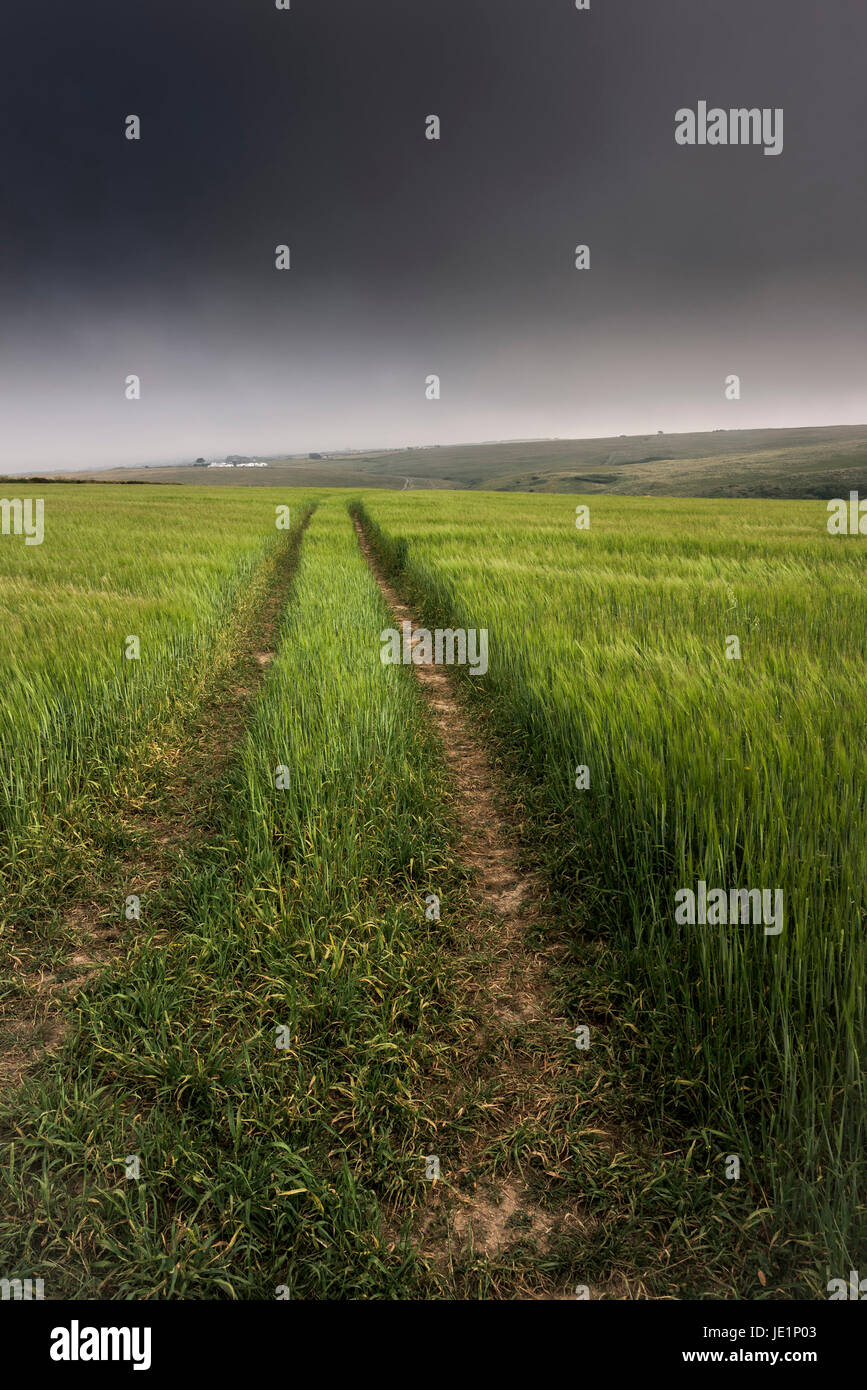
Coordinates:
(790, 463)
(217, 950)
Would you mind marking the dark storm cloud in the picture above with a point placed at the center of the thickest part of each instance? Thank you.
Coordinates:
(412, 257)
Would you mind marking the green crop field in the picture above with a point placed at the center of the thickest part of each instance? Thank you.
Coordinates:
(168, 570)
(241, 1057)
(608, 650)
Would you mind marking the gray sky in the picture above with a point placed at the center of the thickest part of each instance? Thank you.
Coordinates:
(413, 257)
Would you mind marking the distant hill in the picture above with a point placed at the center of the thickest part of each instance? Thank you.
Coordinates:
(826, 461)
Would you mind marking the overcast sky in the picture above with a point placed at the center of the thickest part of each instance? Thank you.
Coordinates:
(412, 257)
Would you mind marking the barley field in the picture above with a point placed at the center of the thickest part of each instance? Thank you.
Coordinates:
(608, 650)
(243, 1056)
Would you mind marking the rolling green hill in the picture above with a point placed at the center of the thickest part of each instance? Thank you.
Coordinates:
(822, 461)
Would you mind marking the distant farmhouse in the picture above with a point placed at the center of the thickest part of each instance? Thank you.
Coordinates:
(237, 463)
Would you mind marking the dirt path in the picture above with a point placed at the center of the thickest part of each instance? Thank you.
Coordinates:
(513, 1000)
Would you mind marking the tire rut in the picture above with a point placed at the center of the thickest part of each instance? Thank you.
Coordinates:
(33, 1025)
(512, 991)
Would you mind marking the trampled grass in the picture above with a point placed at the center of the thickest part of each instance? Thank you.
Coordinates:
(608, 649)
